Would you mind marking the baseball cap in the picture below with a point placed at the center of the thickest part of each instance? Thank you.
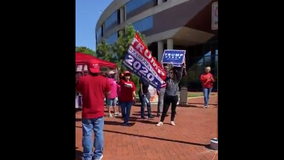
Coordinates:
(93, 66)
(111, 72)
(126, 72)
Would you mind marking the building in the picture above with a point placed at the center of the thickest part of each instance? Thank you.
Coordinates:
(191, 25)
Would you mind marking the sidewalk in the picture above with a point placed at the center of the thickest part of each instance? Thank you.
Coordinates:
(199, 102)
(188, 140)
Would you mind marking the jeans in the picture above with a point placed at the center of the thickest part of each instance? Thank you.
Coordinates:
(90, 125)
(169, 100)
(206, 94)
(111, 102)
(143, 102)
(125, 110)
(161, 101)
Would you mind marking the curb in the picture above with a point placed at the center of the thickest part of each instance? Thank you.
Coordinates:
(187, 105)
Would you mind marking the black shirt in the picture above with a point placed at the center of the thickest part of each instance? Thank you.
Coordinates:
(145, 86)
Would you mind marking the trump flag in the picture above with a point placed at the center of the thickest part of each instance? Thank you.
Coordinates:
(140, 61)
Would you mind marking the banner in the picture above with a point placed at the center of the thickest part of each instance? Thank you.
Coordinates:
(153, 95)
(175, 57)
(140, 61)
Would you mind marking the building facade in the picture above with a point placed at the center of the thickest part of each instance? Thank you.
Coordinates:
(168, 24)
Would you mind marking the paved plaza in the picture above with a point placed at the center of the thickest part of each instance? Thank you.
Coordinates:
(188, 140)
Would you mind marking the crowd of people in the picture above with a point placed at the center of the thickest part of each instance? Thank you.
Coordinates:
(120, 95)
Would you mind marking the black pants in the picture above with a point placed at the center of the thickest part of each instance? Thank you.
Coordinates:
(168, 100)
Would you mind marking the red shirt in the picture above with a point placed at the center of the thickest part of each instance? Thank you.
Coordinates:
(93, 90)
(126, 92)
(206, 80)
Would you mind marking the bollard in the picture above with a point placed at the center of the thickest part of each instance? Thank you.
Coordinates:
(214, 143)
(183, 96)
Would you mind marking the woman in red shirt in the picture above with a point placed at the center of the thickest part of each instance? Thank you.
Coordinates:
(207, 85)
(127, 88)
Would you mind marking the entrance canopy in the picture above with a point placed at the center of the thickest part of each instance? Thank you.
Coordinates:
(81, 58)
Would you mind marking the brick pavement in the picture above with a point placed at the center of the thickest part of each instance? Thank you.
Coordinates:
(188, 140)
(199, 102)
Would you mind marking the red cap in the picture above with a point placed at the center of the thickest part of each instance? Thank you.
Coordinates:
(93, 66)
(126, 72)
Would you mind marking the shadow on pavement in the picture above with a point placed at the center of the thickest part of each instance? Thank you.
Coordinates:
(147, 121)
(115, 123)
(78, 119)
(78, 155)
(203, 103)
(157, 138)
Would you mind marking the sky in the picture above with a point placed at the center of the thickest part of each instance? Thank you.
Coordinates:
(87, 15)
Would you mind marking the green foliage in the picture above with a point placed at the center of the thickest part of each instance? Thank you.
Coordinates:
(104, 51)
(115, 53)
(85, 50)
(121, 46)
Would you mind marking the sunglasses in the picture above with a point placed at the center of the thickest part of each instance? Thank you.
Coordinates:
(171, 72)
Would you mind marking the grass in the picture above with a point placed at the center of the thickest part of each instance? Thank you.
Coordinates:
(190, 94)
(198, 94)
(194, 94)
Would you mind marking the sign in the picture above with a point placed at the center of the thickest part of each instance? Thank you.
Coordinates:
(79, 68)
(140, 61)
(214, 16)
(175, 57)
(85, 68)
(153, 95)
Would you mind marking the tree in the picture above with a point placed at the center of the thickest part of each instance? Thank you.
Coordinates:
(121, 46)
(104, 51)
(85, 50)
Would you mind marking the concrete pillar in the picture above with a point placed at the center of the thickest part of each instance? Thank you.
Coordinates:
(121, 15)
(160, 2)
(124, 11)
(103, 31)
(170, 44)
(160, 50)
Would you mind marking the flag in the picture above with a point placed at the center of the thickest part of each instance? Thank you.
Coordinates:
(140, 61)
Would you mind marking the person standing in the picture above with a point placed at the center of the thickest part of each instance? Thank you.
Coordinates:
(121, 76)
(127, 96)
(93, 88)
(171, 93)
(161, 93)
(111, 99)
(144, 96)
(207, 81)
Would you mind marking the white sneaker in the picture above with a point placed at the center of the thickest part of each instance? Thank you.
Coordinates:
(205, 107)
(173, 123)
(160, 124)
(110, 115)
(100, 158)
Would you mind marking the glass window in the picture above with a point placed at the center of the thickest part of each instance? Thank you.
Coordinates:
(191, 74)
(216, 56)
(112, 38)
(207, 60)
(134, 4)
(99, 34)
(199, 70)
(111, 20)
(144, 24)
